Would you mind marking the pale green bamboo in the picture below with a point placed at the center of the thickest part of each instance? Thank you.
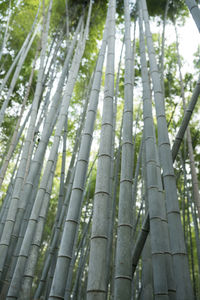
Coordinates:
(156, 202)
(82, 262)
(180, 134)
(52, 57)
(54, 243)
(4, 243)
(195, 12)
(196, 196)
(5, 206)
(49, 122)
(72, 166)
(62, 174)
(13, 65)
(165, 233)
(56, 236)
(20, 226)
(61, 212)
(147, 278)
(67, 18)
(190, 245)
(78, 135)
(197, 236)
(14, 137)
(122, 287)
(163, 46)
(72, 219)
(187, 115)
(53, 110)
(180, 261)
(97, 273)
(17, 237)
(25, 292)
(52, 248)
(81, 245)
(147, 274)
(19, 269)
(73, 261)
(5, 38)
(15, 76)
(44, 109)
(6, 202)
(135, 185)
(41, 111)
(115, 186)
(61, 120)
(195, 184)
(51, 273)
(37, 163)
(113, 175)
(20, 53)
(140, 242)
(135, 126)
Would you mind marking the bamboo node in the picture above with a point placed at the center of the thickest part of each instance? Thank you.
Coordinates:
(99, 237)
(123, 277)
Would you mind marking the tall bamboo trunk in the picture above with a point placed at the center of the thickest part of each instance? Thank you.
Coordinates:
(155, 199)
(113, 179)
(97, 273)
(15, 77)
(195, 184)
(5, 38)
(14, 137)
(147, 274)
(29, 272)
(20, 227)
(20, 174)
(187, 116)
(36, 165)
(72, 219)
(180, 260)
(67, 18)
(195, 11)
(20, 53)
(29, 235)
(49, 122)
(163, 46)
(124, 235)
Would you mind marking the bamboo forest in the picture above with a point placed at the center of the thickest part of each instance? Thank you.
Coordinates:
(99, 149)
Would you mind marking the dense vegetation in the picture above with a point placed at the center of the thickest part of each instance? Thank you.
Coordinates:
(99, 151)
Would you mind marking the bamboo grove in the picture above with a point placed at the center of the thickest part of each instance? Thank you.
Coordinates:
(100, 154)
